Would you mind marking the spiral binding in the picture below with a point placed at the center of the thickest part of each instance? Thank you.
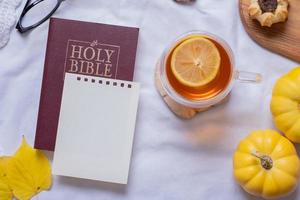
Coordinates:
(107, 82)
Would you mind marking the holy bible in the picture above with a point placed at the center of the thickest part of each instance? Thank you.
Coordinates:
(84, 48)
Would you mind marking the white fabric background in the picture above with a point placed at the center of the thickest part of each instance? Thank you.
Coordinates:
(172, 158)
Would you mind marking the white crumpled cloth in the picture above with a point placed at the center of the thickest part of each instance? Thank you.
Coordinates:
(172, 159)
(7, 19)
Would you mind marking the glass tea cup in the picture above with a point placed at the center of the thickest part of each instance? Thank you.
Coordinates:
(213, 92)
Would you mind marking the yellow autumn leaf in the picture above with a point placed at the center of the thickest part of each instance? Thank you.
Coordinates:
(5, 191)
(29, 172)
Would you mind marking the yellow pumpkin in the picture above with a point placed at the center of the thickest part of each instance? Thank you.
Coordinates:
(285, 104)
(266, 164)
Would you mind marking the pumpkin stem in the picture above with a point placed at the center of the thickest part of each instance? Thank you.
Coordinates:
(265, 161)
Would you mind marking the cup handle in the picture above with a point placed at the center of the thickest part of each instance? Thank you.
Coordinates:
(248, 77)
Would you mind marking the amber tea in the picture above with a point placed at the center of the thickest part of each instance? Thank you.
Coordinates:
(198, 71)
(204, 92)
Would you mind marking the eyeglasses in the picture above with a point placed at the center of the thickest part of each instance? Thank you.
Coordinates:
(35, 13)
(185, 1)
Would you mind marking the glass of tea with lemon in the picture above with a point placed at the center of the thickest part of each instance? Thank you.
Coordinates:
(198, 70)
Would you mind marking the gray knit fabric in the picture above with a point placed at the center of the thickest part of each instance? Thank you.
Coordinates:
(7, 19)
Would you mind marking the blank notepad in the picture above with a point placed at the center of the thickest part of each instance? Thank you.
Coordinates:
(96, 128)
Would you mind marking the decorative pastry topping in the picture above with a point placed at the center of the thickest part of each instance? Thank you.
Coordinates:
(268, 5)
(269, 12)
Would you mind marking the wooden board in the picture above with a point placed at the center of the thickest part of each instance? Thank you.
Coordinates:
(281, 38)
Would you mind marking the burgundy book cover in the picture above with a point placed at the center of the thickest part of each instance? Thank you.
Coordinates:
(85, 48)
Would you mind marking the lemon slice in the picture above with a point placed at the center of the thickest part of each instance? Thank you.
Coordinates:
(195, 62)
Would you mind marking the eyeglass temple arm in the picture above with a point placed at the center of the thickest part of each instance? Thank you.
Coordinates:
(28, 7)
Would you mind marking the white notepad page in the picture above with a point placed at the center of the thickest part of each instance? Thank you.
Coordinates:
(96, 128)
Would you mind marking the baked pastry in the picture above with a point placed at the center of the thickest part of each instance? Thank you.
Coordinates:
(269, 12)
